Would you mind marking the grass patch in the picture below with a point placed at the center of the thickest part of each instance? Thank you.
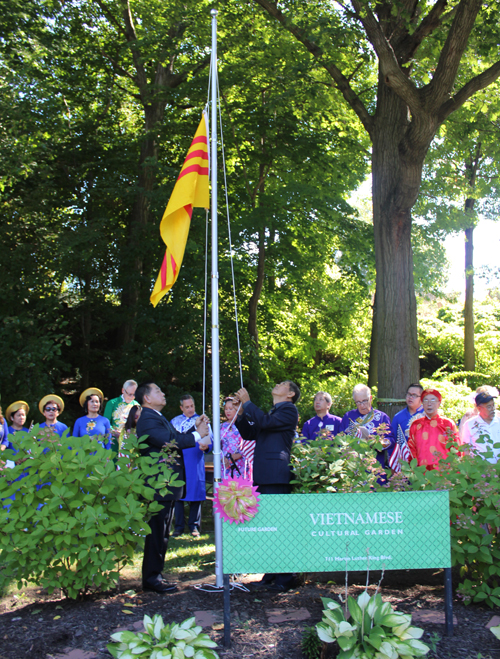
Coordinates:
(185, 554)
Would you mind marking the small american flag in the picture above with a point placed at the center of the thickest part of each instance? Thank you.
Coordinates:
(400, 452)
(247, 449)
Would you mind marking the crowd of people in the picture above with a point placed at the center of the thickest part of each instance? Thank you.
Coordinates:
(257, 445)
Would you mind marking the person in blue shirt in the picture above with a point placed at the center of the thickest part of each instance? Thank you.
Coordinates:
(16, 414)
(4, 433)
(323, 419)
(51, 406)
(194, 463)
(401, 425)
(93, 423)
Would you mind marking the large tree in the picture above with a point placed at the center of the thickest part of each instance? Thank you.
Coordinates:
(461, 181)
(419, 48)
(291, 167)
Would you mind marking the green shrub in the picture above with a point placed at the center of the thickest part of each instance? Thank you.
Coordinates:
(161, 641)
(474, 487)
(456, 396)
(347, 464)
(75, 520)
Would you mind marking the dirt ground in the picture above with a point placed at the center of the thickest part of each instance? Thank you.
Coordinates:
(38, 626)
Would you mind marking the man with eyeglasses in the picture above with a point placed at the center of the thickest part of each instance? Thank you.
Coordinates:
(430, 434)
(365, 421)
(482, 432)
(401, 425)
(118, 409)
(160, 432)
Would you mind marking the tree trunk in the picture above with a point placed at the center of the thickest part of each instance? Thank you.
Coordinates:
(259, 282)
(373, 359)
(313, 335)
(257, 290)
(86, 327)
(469, 353)
(139, 218)
(396, 177)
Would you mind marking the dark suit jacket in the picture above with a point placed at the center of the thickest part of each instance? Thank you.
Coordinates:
(160, 432)
(273, 434)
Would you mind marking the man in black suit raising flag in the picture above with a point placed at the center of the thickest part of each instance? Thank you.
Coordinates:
(160, 432)
(273, 434)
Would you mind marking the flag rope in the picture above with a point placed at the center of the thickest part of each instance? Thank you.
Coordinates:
(205, 314)
(229, 235)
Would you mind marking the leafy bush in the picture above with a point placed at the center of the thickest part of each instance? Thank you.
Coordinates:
(441, 335)
(161, 641)
(347, 464)
(73, 520)
(474, 487)
(456, 396)
(375, 630)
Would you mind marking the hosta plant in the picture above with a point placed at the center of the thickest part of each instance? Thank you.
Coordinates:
(161, 641)
(374, 631)
(496, 631)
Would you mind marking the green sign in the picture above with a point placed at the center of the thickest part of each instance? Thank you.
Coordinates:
(324, 532)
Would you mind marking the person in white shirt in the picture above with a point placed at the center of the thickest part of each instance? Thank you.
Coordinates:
(482, 432)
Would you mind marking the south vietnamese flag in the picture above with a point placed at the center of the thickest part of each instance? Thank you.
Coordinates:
(190, 191)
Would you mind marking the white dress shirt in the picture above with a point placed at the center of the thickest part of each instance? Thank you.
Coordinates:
(489, 433)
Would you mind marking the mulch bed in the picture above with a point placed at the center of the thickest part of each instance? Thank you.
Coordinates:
(263, 624)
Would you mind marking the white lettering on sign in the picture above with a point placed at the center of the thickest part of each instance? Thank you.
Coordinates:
(329, 519)
(382, 557)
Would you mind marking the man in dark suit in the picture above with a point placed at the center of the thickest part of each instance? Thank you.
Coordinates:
(273, 434)
(159, 432)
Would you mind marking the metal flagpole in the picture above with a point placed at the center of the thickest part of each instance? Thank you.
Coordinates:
(215, 307)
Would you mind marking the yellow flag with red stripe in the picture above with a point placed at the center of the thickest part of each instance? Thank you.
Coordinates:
(191, 190)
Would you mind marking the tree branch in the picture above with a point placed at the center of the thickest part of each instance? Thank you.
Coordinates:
(131, 36)
(118, 67)
(339, 78)
(427, 26)
(176, 79)
(474, 85)
(393, 74)
(110, 16)
(449, 60)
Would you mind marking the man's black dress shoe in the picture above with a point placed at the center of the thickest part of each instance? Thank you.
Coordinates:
(264, 582)
(161, 587)
(275, 587)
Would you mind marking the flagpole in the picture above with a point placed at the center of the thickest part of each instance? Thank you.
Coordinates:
(215, 306)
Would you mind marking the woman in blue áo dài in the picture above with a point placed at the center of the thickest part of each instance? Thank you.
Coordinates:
(93, 423)
(16, 414)
(51, 406)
